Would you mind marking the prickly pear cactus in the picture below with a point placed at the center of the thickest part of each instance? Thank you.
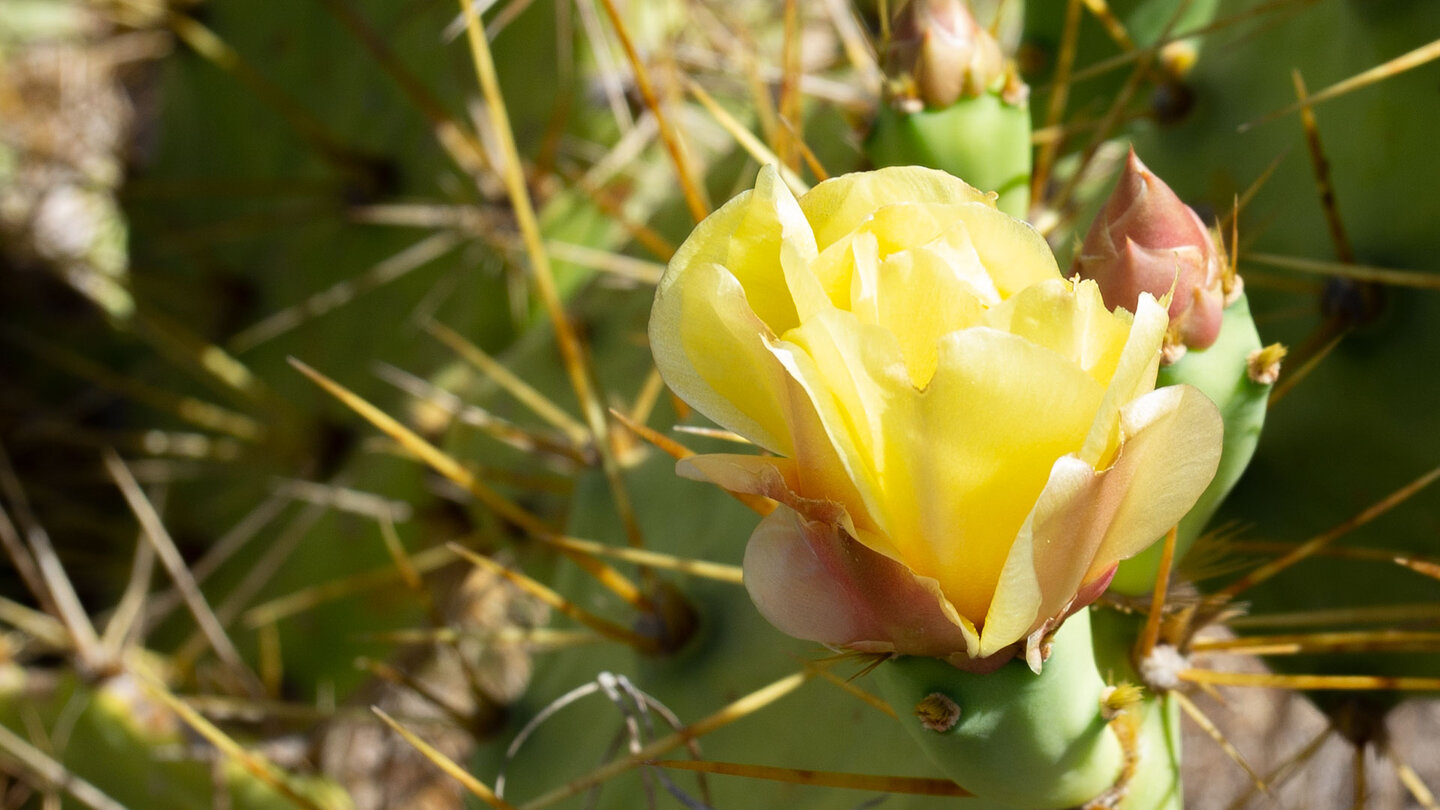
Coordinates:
(353, 390)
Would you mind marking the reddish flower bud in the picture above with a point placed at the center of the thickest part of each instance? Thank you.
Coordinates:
(1147, 240)
(939, 54)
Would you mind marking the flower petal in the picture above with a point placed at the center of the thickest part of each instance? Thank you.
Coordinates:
(812, 582)
(1173, 439)
(965, 460)
(1134, 375)
(762, 238)
(1014, 252)
(850, 373)
(712, 351)
(1050, 555)
(1086, 521)
(1070, 320)
(838, 205)
(781, 480)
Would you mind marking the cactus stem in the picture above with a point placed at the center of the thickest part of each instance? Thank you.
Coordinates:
(938, 712)
(1049, 726)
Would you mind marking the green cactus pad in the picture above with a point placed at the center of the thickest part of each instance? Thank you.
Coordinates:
(1046, 729)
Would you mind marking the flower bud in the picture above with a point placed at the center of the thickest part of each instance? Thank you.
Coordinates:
(1147, 241)
(939, 54)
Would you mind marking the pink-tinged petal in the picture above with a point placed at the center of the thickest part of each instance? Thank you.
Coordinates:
(837, 206)
(1173, 439)
(1086, 520)
(779, 479)
(713, 352)
(812, 582)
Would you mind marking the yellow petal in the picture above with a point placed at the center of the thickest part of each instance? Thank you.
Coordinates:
(955, 250)
(711, 349)
(965, 460)
(1134, 375)
(1085, 521)
(907, 225)
(1015, 253)
(848, 372)
(762, 238)
(837, 206)
(1070, 320)
(1050, 556)
(917, 299)
(1173, 439)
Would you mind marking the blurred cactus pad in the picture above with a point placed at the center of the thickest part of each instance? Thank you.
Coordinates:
(336, 472)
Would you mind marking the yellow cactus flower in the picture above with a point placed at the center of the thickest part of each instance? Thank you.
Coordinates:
(964, 442)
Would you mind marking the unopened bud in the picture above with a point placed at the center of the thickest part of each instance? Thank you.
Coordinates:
(1147, 240)
(939, 54)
